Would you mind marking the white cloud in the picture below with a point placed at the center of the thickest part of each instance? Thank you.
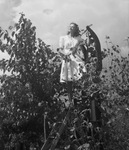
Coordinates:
(7, 12)
(47, 11)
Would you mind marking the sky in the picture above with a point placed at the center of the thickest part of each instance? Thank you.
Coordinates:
(52, 17)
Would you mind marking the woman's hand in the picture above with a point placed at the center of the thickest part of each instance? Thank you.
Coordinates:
(74, 50)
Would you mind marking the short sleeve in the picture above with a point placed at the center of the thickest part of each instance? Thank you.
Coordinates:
(61, 42)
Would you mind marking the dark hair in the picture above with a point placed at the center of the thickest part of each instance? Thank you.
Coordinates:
(74, 24)
(77, 33)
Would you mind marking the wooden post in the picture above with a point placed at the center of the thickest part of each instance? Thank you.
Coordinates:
(45, 114)
(93, 110)
(55, 141)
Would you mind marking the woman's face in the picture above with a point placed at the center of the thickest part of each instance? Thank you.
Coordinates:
(73, 30)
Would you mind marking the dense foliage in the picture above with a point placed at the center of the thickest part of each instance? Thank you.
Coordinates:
(31, 86)
(32, 99)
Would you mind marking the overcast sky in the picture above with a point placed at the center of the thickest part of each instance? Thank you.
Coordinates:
(52, 17)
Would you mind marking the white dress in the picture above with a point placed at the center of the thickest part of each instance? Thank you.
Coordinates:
(72, 68)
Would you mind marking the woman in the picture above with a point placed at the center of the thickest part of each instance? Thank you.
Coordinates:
(72, 64)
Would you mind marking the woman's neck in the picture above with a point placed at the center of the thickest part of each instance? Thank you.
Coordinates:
(71, 36)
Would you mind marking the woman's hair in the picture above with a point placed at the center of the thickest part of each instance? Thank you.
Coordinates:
(76, 32)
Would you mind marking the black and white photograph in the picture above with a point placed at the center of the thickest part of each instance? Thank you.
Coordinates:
(64, 75)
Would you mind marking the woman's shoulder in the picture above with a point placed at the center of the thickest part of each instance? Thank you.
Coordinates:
(64, 38)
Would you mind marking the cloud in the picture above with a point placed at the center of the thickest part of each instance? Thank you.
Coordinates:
(15, 3)
(47, 11)
(7, 12)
